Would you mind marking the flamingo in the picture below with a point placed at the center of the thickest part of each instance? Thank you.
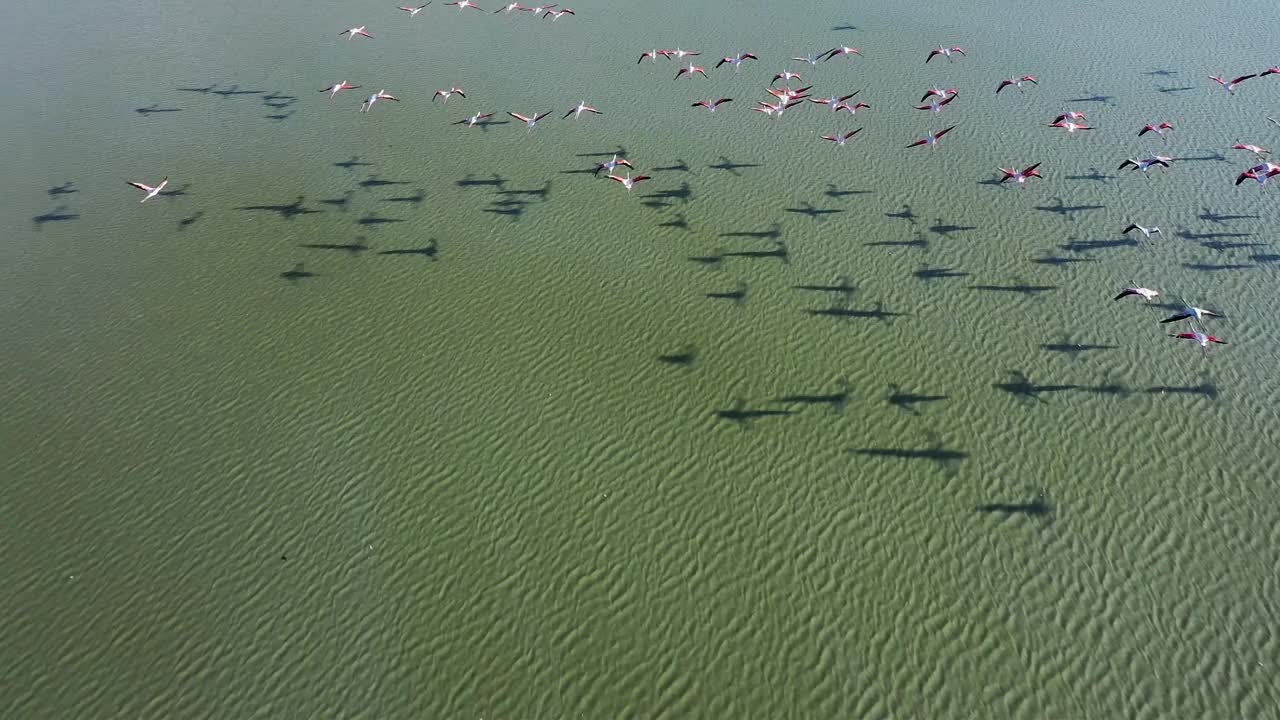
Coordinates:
(629, 182)
(690, 70)
(380, 95)
(446, 94)
(1016, 82)
(833, 102)
(1230, 86)
(938, 92)
(932, 139)
(150, 191)
(810, 59)
(711, 104)
(1068, 115)
(539, 9)
(945, 52)
(842, 50)
(787, 93)
(1157, 129)
(1021, 176)
(582, 107)
(1146, 164)
(853, 109)
(474, 120)
(1260, 173)
(652, 55)
(530, 123)
(336, 87)
(1069, 126)
(1200, 338)
(557, 14)
(736, 60)
(1189, 313)
(463, 4)
(785, 75)
(354, 32)
(841, 139)
(1145, 293)
(776, 109)
(610, 164)
(678, 53)
(1259, 151)
(413, 10)
(1146, 231)
(937, 105)
(1270, 71)
(511, 6)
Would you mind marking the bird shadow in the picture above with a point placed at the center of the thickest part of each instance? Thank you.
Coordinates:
(1068, 211)
(65, 188)
(683, 357)
(470, 182)
(190, 220)
(813, 213)
(906, 213)
(1205, 388)
(1030, 291)
(1094, 175)
(732, 167)
(286, 211)
(679, 222)
(1020, 386)
(737, 296)
(842, 312)
(928, 274)
(353, 248)
(155, 108)
(906, 401)
(779, 252)
(415, 199)
(1218, 218)
(835, 401)
(1059, 261)
(297, 273)
(1082, 246)
(352, 162)
(772, 233)
(946, 229)
(1100, 99)
(58, 214)
(235, 91)
(1039, 507)
(1216, 267)
(946, 459)
(920, 243)
(744, 416)
(341, 204)
(836, 193)
(1074, 350)
(842, 286)
(376, 181)
(677, 166)
(428, 251)
(620, 152)
(375, 221)
(1168, 90)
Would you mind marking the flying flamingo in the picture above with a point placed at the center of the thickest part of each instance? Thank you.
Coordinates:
(610, 164)
(678, 53)
(842, 50)
(335, 88)
(1270, 71)
(777, 108)
(945, 52)
(833, 102)
(853, 109)
(150, 191)
(938, 92)
(380, 95)
(539, 9)
(1146, 231)
(652, 55)
(711, 104)
(1021, 176)
(556, 14)
(932, 139)
(1068, 115)
(413, 10)
(474, 120)
(690, 70)
(1260, 173)
(446, 94)
(937, 105)
(809, 59)
(1230, 86)
(1200, 338)
(1069, 126)
(1016, 82)
(841, 139)
(581, 108)
(1145, 293)
(1157, 129)
(509, 7)
(784, 76)
(1189, 313)
(629, 182)
(530, 123)
(354, 32)
(1259, 151)
(1146, 164)
(463, 4)
(736, 60)
(787, 93)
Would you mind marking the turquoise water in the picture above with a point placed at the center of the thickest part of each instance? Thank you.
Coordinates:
(479, 443)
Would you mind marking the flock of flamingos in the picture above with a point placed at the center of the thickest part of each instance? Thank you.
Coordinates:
(934, 101)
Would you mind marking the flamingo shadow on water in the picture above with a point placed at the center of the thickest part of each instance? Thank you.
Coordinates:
(297, 273)
(428, 251)
(906, 401)
(836, 401)
(58, 214)
(773, 233)
(683, 357)
(1038, 507)
(286, 211)
(745, 416)
(1020, 386)
(1074, 350)
(928, 274)
(936, 452)
(778, 252)
(353, 248)
(737, 296)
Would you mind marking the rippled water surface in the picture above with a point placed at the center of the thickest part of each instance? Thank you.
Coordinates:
(375, 416)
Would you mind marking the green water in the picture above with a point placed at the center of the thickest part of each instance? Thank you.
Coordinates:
(483, 462)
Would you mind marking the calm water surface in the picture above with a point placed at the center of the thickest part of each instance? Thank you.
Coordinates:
(372, 416)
